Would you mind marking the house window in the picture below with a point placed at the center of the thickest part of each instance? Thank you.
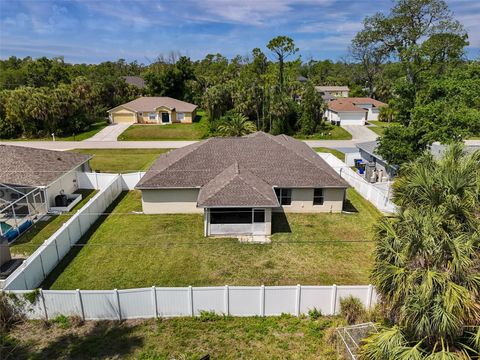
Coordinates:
(152, 116)
(318, 197)
(284, 196)
(180, 116)
(258, 215)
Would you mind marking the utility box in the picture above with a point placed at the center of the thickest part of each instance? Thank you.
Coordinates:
(4, 251)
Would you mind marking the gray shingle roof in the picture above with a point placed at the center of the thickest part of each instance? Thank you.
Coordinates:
(150, 103)
(263, 161)
(26, 166)
(237, 187)
(136, 81)
(369, 147)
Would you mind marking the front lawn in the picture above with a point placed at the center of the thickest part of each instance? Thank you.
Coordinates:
(122, 160)
(330, 133)
(340, 155)
(378, 126)
(128, 250)
(92, 130)
(283, 337)
(29, 241)
(195, 131)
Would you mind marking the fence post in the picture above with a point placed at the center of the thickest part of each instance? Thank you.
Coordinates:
(297, 300)
(24, 276)
(117, 301)
(369, 296)
(96, 181)
(226, 300)
(333, 302)
(154, 302)
(41, 263)
(190, 300)
(79, 213)
(69, 236)
(43, 304)
(80, 304)
(56, 248)
(262, 300)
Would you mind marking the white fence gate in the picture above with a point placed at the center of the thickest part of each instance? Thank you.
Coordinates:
(376, 196)
(190, 301)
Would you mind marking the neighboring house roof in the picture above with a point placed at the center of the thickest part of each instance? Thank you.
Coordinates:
(136, 81)
(151, 103)
(353, 104)
(241, 171)
(331, 88)
(302, 78)
(366, 100)
(342, 105)
(438, 149)
(369, 147)
(328, 97)
(26, 166)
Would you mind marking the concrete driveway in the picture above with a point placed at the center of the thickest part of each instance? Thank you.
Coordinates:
(360, 132)
(110, 132)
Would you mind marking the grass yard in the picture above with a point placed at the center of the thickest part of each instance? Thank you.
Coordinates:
(284, 337)
(379, 126)
(26, 244)
(94, 128)
(332, 133)
(334, 152)
(128, 250)
(195, 131)
(122, 160)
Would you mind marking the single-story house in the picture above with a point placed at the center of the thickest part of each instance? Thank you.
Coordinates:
(34, 182)
(437, 149)
(237, 183)
(353, 110)
(135, 81)
(333, 91)
(376, 168)
(153, 110)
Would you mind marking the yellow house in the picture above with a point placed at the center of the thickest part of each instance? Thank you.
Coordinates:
(153, 110)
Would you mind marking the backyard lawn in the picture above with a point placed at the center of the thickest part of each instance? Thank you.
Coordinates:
(195, 131)
(127, 250)
(333, 133)
(40, 231)
(284, 337)
(122, 160)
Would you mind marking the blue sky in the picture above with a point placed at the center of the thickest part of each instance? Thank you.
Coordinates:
(92, 31)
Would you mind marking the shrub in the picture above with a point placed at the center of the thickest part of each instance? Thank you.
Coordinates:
(352, 309)
(210, 316)
(62, 322)
(314, 313)
(9, 315)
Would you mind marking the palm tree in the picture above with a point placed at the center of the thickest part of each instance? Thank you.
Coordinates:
(427, 262)
(236, 125)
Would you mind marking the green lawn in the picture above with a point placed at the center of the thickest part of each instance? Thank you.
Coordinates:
(195, 131)
(137, 250)
(94, 128)
(40, 231)
(337, 153)
(379, 126)
(122, 160)
(283, 337)
(331, 133)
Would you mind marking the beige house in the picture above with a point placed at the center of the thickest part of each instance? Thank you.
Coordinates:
(332, 92)
(353, 110)
(238, 182)
(153, 110)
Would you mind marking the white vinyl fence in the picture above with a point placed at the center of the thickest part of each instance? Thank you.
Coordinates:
(190, 301)
(376, 196)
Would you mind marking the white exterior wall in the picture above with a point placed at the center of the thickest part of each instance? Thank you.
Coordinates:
(373, 113)
(170, 201)
(67, 183)
(302, 201)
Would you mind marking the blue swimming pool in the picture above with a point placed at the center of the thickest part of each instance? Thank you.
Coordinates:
(4, 227)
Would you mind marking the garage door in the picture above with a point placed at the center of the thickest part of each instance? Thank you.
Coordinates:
(123, 118)
(352, 118)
